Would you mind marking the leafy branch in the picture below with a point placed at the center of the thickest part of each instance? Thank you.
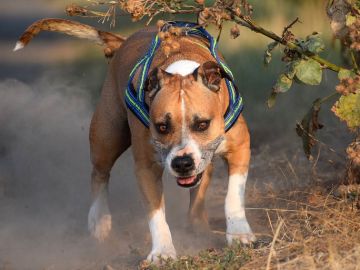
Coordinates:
(291, 45)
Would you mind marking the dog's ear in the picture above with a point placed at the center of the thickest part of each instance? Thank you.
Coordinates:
(155, 80)
(211, 74)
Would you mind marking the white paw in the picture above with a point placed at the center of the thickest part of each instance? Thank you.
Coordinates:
(101, 228)
(238, 229)
(164, 253)
(99, 220)
(244, 238)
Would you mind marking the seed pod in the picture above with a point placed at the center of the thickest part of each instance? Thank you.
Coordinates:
(175, 46)
(237, 11)
(160, 23)
(225, 16)
(168, 41)
(166, 35)
(235, 31)
(108, 52)
(166, 50)
(161, 35)
(203, 16)
(175, 31)
(178, 31)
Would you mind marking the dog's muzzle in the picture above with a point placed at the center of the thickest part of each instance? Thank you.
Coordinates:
(187, 175)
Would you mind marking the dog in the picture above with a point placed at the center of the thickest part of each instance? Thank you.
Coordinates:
(187, 98)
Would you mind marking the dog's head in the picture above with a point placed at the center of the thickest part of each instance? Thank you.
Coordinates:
(187, 123)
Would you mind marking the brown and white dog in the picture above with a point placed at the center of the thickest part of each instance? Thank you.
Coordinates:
(188, 99)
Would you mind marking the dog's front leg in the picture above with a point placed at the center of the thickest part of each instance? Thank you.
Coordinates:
(149, 178)
(238, 228)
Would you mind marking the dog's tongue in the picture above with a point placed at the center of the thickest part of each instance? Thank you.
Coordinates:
(186, 181)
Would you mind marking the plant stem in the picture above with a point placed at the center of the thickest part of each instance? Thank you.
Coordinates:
(353, 59)
(324, 99)
(246, 22)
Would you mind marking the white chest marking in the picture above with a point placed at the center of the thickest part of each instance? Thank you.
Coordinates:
(182, 67)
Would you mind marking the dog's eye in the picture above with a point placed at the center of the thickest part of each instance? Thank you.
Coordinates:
(202, 125)
(162, 128)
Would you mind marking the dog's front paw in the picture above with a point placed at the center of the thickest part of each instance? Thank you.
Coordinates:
(244, 238)
(238, 230)
(164, 253)
(99, 221)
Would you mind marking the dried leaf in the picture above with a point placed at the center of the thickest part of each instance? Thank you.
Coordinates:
(283, 84)
(271, 100)
(267, 54)
(337, 11)
(308, 127)
(235, 31)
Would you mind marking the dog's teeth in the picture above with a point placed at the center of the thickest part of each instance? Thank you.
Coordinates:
(19, 45)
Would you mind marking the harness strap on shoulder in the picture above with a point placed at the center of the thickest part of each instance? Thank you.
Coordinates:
(135, 99)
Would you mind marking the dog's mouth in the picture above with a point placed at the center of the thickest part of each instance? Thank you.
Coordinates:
(190, 181)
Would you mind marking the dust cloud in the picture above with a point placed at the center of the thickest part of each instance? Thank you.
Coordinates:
(44, 179)
(45, 185)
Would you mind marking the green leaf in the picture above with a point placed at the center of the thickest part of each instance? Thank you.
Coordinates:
(347, 108)
(346, 73)
(309, 72)
(350, 19)
(314, 44)
(308, 127)
(271, 100)
(291, 69)
(267, 55)
(283, 84)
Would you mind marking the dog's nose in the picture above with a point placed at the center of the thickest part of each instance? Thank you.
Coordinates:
(183, 164)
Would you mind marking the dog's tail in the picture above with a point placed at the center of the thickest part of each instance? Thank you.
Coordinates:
(110, 41)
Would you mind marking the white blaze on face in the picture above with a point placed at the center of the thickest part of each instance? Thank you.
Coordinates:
(237, 225)
(162, 244)
(183, 116)
(187, 144)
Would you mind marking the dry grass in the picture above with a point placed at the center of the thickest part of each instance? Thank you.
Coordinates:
(319, 232)
(314, 231)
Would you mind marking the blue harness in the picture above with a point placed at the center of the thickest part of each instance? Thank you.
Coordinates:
(135, 99)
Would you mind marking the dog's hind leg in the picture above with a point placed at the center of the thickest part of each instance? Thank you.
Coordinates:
(197, 213)
(109, 138)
